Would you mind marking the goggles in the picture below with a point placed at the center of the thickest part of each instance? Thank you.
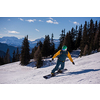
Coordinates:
(64, 49)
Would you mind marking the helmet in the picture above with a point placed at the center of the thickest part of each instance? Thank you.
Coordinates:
(64, 48)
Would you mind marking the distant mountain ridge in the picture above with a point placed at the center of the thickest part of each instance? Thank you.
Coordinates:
(2, 53)
(14, 41)
(4, 47)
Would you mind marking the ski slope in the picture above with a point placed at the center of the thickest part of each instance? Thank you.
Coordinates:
(85, 71)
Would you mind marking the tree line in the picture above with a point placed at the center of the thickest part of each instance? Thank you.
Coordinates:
(41, 50)
(7, 59)
(86, 38)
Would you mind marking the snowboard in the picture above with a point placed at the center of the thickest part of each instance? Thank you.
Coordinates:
(49, 75)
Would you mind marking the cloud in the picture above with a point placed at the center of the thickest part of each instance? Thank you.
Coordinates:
(52, 21)
(8, 19)
(21, 19)
(51, 18)
(40, 21)
(30, 20)
(49, 21)
(37, 30)
(76, 23)
(56, 23)
(15, 32)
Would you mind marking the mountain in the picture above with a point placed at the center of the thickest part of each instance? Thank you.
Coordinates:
(85, 71)
(4, 47)
(14, 41)
(34, 43)
(2, 53)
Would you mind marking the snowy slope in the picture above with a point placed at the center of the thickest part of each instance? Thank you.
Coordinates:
(85, 71)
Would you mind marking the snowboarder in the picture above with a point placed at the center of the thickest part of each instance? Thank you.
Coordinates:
(61, 54)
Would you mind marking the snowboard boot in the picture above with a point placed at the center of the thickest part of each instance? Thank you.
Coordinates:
(52, 74)
(60, 71)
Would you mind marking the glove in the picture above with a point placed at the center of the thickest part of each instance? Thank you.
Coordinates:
(51, 60)
(73, 63)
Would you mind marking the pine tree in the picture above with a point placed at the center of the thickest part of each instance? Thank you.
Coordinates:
(68, 41)
(88, 28)
(40, 44)
(64, 31)
(33, 51)
(91, 37)
(76, 33)
(1, 61)
(73, 37)
(79, 37)
(46, 46)
(52, 38)
(52, 45)
(36, 54)
(13, 59)
(84, 40)
(25, 55)
(62, 36)
(96, 40)
(98, 47)
(95, 27)
(85, 50)
(17, 55)
(39, 61)
(7, 57)
(38, 57)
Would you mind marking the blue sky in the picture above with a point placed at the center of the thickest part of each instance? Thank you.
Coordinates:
(37, 27)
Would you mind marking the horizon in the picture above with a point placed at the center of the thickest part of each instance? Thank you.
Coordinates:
(23, 38)
(37, 27)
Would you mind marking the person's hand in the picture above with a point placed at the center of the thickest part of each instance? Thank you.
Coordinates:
(73, 63)
(51, 60)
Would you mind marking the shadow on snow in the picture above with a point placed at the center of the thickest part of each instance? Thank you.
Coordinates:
(83, 71)
(79, 72)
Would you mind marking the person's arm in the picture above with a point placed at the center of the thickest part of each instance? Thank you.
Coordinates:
(56, 54)
(70, 58)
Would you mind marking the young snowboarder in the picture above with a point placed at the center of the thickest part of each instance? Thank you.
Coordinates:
(61, 54)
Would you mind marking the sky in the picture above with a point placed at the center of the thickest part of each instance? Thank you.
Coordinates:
(37, 27)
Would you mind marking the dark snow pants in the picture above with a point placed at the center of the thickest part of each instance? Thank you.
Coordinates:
(57, 66)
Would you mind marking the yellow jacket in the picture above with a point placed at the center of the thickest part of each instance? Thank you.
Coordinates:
(67, 54)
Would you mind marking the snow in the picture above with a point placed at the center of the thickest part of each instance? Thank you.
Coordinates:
(85, 71)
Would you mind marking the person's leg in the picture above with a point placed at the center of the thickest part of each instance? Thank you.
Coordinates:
(56, 67)
(62, 66)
